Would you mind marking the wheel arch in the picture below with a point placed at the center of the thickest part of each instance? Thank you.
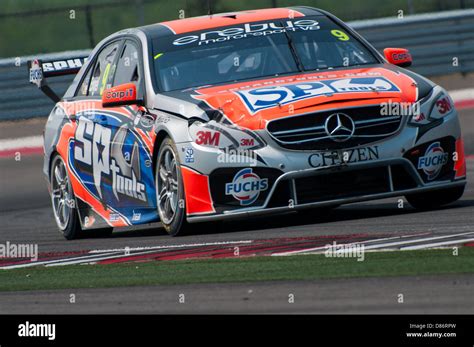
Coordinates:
(160, 137)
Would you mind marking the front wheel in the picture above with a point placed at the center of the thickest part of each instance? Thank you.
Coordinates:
(170, 189)
(435, 198)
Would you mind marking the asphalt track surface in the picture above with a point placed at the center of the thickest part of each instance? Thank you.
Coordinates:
(421, 295)
(26, 217)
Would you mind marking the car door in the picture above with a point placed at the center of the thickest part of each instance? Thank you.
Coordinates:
(113, 145)
(132, 148)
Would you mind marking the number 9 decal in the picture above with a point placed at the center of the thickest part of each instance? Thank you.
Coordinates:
(342, 36)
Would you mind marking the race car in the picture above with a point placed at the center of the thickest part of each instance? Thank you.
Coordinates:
(241, 114)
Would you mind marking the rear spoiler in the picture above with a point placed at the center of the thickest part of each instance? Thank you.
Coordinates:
(39, 71)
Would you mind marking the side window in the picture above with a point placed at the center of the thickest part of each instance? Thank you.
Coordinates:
(128, 66)
(85, 84)
(103, 71)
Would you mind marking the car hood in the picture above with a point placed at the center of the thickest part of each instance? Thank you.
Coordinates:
(252, 104)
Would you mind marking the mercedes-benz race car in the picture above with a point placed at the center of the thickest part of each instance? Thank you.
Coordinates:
(242, 114)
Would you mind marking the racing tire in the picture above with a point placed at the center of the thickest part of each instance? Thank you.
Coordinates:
(62, 199)
(64, 207)
(436, 198)
(169, 186)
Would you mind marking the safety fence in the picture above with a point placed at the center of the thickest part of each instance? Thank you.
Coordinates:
(441, 43)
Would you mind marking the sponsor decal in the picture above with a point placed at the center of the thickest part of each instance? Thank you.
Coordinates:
(120, 94)
(114, 217)
(444, 105)
(188, 155)
(247, 142)
(89, 221)
(433, 160)
(400, 57)
(103, 155)
(246, 30)
(207, 138)
(246, 186)
(136, 216)
(63, 65)
(338, 157)
(267, 97)
(36, 73)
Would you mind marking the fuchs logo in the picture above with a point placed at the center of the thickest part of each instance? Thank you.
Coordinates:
(433, 160)
(266, 97)
(246, 186)
(247, 30)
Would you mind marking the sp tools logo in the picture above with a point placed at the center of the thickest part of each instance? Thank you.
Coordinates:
(267, 97)
(433, 160)
(102, 154)
(246, 186)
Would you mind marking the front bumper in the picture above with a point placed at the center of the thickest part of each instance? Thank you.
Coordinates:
(299, 179)
(390, 189)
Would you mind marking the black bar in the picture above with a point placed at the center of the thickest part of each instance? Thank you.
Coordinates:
(338, 330)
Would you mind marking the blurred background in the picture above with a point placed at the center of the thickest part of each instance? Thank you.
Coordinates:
(438, 33)
(39, 26)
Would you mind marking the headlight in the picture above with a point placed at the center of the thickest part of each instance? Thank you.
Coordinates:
(438, 105)
(220, 136)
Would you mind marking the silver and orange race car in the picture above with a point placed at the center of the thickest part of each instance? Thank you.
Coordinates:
(242, 114)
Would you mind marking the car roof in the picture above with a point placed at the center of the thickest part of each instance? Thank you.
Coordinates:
(182, 26)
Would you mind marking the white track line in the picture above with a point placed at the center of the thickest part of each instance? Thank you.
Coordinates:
(437, 244)
(99, 255)
(171, 246)
(48, 262)
(21, 142)
(351, 243)
(388, 244)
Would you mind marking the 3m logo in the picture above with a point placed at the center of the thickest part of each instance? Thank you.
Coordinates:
(267, 97)
(208, 138)
(247, 142)
(443, 105)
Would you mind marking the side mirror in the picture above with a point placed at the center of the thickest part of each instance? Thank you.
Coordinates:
(398, 56)
(124, 94)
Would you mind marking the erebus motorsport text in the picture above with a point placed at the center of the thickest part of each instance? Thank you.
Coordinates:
(247, 30)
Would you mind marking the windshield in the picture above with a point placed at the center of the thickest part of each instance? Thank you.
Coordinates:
(254, 50)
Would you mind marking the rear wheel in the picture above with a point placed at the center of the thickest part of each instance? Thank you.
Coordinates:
(170, 189)
(435, 198)
(63, 201)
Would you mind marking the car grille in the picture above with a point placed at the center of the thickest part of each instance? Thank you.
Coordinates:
(307, 132)
(353, 183)
(342, 185)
